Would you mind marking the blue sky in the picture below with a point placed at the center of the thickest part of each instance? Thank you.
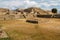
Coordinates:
(44, 4)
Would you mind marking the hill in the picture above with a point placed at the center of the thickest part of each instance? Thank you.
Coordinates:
(14, 23)
(6, 14)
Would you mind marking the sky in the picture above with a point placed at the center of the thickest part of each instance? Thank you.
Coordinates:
(44, 4)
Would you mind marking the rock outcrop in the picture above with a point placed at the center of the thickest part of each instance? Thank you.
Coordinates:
(6, 14)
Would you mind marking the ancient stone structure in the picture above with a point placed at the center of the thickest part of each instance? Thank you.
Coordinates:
(32, 21)
(3, 34)
(6, 14)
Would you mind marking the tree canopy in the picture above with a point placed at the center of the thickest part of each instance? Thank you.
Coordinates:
(54, 10)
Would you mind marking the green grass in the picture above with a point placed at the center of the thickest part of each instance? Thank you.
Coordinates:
(4, 38)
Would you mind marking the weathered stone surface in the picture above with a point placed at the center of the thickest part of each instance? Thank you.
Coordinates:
(32, 21)
(6, 14)
(3, 11)
(3, 35)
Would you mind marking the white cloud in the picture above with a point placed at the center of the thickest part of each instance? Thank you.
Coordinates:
(31, 3)
(45, 4)
(17, 3)
(50, 3)
(12, 4)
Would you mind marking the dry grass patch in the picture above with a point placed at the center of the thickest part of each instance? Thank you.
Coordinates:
(20, 30)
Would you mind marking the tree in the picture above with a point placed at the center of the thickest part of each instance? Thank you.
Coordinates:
(54, 10)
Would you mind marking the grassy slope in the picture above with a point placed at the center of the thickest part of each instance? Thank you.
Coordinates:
(47, 29)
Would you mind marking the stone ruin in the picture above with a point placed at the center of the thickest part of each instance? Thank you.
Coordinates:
(32, 21)
(3, 34)
(6, 14)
